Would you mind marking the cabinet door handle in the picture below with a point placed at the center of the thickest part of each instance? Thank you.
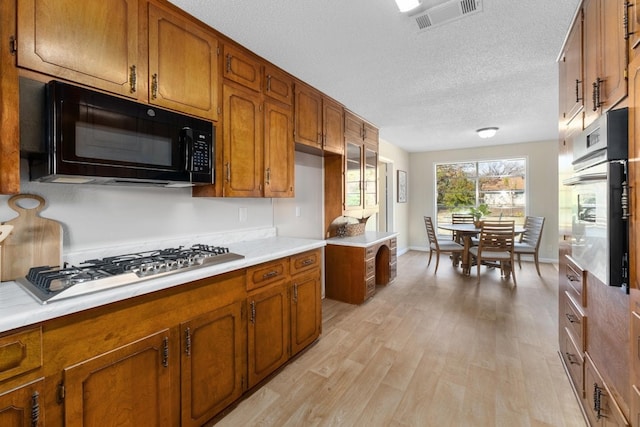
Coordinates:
(295, 293)
(133, 79)
(597, 400)
(578, 99)
(625, 19)
(165, 352)
(228, 63)
(35, 409)
(228, 167)
(268, 173)
(154, 86)
(269, 83)
(187, 341)
(253, 312)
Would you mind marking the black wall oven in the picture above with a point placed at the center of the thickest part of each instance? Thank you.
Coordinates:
(600, 199)
(92, 137)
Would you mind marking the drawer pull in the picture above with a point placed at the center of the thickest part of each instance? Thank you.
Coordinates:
(306, 262)
(572, 318)
(572, 278)
(572, 359)
(270, 274)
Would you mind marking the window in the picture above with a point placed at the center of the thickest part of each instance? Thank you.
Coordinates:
(498, 183)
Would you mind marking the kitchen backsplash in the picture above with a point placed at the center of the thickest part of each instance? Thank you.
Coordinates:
(95, 217)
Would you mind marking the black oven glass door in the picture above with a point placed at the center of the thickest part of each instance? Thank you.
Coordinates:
(599, 240)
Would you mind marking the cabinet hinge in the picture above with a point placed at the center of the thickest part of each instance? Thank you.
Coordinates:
(61, 392)
(13, 45)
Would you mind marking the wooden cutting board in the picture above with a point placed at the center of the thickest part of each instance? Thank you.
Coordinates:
(34, 241)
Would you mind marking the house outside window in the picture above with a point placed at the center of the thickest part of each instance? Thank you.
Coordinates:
(500, 184)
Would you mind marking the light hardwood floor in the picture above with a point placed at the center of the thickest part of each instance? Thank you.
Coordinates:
(429, 351)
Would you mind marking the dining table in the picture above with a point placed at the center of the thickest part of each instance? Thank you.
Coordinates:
(466, 231)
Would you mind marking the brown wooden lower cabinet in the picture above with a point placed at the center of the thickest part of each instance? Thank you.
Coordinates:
(176, 357)
(129, 386)
(269, 330)
(213, 357)
(352, 272)
(601, 408)
(22, 406)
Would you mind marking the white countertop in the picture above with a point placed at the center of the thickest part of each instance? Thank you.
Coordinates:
(369, 238)
(18, 308)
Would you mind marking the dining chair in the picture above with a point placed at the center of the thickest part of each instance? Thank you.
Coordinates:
(460, 218)
(529, 242)
(496, 244)
(440, 247)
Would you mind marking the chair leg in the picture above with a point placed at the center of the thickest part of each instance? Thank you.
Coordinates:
(437, 262)
(478, 263)
(513, 274)
(519, 264)
(535, 259)
(430, 255)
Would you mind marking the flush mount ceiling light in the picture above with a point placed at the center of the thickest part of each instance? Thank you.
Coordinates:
(485, 133)
(407, 5)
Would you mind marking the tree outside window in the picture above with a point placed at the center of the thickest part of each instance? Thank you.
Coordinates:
(498, 183)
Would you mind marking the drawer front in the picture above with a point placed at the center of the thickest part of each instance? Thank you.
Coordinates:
(576, 279)
(20, 352)
(370, 268)
(393, 271)
(370, 287)
(574, 320)
(393, 243)
(370, 252)
(305, 261)
(599, 404)
(264, 274)
(573, 360)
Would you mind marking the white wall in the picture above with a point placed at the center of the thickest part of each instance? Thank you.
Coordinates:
(400, 160)
(302, 216)
(542, 187)
(96, 216)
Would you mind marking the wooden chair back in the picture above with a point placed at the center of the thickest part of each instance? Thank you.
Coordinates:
(496, 236)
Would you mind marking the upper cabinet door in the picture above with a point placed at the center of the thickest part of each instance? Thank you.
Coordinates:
(91, 42)
(333, 126)
(278, 85)
(308, 116)
(279, 154)
(183, 65)
(570, 74)
(242, 67)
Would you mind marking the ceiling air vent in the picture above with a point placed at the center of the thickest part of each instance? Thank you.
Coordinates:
(446, 12)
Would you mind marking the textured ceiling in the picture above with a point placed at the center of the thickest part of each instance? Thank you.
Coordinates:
(426, 90)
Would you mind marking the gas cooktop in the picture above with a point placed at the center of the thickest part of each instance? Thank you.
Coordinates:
(48, 283)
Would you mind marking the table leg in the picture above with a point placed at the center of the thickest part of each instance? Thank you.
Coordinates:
(466, 264)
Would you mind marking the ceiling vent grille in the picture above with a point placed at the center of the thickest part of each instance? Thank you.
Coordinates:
(446, 12)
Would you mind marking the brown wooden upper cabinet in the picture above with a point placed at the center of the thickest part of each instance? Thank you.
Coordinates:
(361, 165)
(183, 62)
(242, 67)
(605, 57)
(97, 44)
(257, 132)
(570, 75)
(318, 120)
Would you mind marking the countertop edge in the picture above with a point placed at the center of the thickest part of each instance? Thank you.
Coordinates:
(19, 309)
(369, 238)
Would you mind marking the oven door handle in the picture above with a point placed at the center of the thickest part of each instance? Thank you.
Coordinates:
(589, 177)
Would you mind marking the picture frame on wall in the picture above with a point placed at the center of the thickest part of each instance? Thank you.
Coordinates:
(402, 186)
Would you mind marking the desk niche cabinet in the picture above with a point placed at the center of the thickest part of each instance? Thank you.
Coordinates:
(361, 165)
(147, 51)
(141, 361)
(353, 271)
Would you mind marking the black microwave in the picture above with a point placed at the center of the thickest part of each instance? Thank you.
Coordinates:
(92, 137)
